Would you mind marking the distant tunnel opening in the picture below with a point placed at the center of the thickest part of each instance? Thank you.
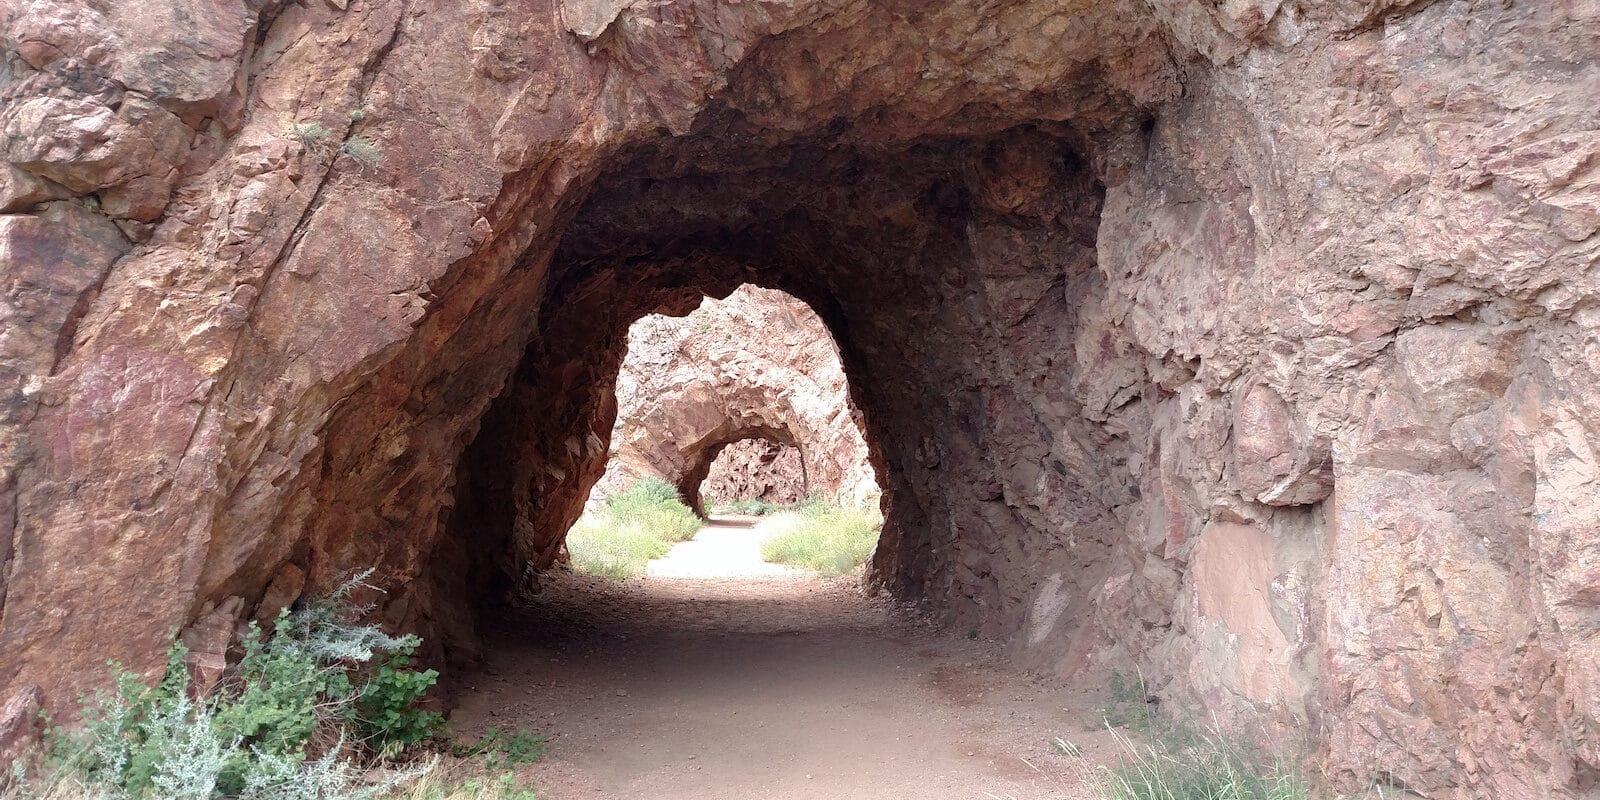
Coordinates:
(757, 469)
(745, 396)
(691, 486)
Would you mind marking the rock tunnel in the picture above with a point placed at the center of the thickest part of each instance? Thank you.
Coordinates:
(1253, 346)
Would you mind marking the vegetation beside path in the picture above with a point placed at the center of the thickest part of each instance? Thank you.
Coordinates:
(629, 529)
(322, 708)
(828, 539)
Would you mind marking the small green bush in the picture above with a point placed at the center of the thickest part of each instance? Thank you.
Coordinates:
(294, 693)
(312, 136)
(825, 538)
(362, 150)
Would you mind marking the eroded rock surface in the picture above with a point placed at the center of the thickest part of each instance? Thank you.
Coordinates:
(757, 367)
(1169, 323)
(757, 469)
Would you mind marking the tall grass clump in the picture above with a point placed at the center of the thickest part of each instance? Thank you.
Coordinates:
(298, 718)
(1202, 766)
(604, 547)
(1130, 704)
(822, 537)
(1183, 761)
(653, 504)
(629, 529)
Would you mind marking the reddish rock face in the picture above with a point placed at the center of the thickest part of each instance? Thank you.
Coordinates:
(756, 469)
(1168, 322)
(744, 395)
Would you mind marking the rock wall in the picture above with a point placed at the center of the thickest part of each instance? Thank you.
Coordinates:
(1252, 344)
(756, 365)
(756, 469)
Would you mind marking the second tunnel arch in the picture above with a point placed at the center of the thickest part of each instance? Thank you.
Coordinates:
(755, 467)
(705, 452)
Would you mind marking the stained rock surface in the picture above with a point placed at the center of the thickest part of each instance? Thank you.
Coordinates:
(1253, 345)
(742, 398)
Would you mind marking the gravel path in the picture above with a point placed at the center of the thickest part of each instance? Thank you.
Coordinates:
(778, 687)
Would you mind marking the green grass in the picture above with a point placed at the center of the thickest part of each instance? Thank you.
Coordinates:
(463, 783)
(1129, 704)
(603, 547)
(502, 748)
(824, 538)
(629, 529)
(653, 504)
(1181, 761)
(1200, 767)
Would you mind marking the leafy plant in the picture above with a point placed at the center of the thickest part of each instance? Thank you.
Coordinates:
(387, 711)
(279, 687)
(254, 737)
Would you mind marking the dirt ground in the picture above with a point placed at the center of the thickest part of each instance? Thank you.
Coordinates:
(771, 684)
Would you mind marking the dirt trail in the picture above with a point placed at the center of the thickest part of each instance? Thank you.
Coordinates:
(778, 687)
(725, 548)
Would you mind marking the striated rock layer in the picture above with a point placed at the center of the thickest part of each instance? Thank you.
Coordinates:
(743, 398)
(1252, 344)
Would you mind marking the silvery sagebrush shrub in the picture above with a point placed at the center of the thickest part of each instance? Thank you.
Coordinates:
(250, 738)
